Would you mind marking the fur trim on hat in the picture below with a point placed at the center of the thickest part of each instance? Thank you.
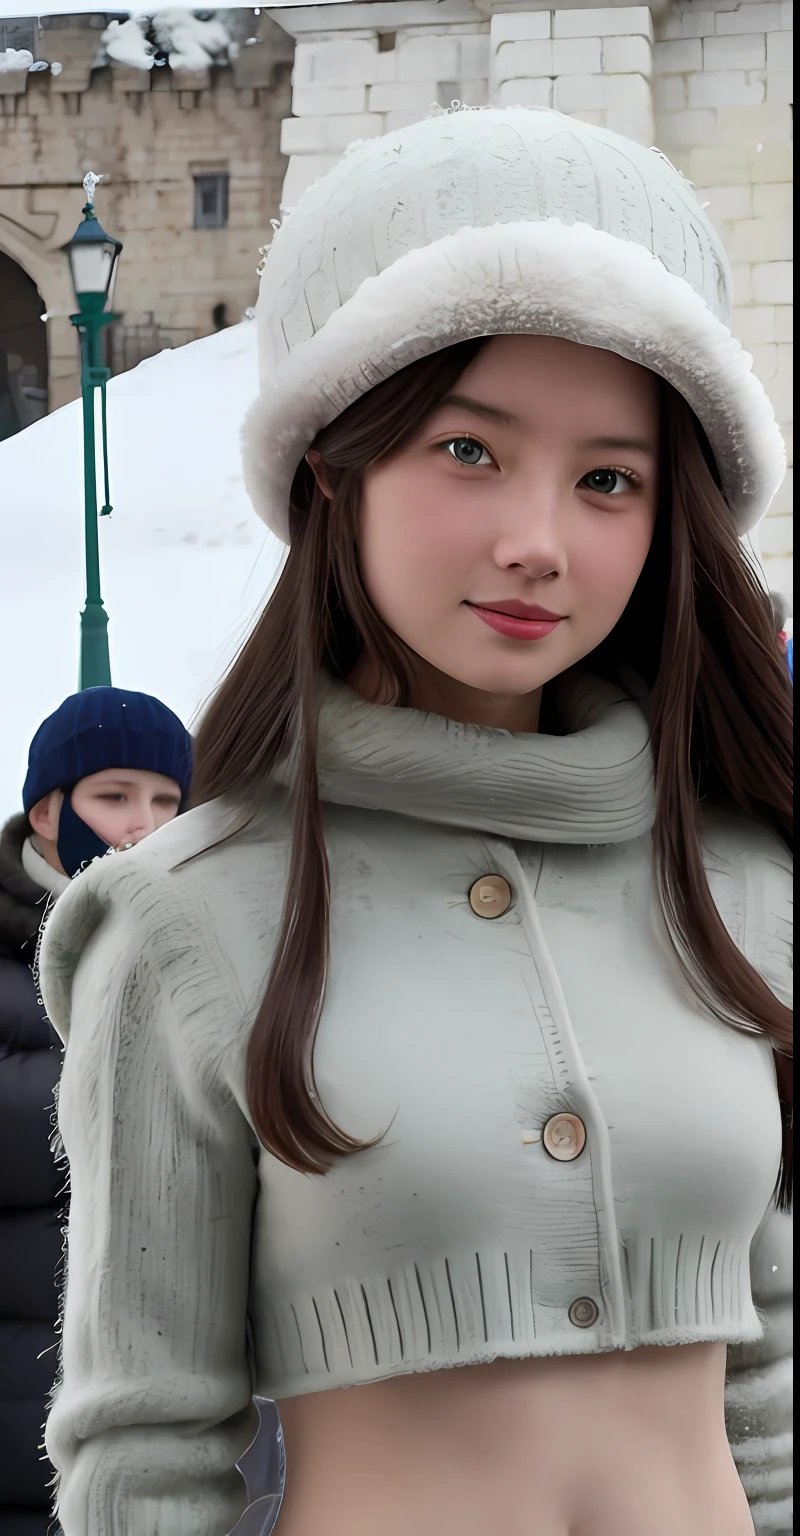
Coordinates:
(543, 279)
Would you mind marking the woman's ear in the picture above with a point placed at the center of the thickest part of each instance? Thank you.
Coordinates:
(319, 470)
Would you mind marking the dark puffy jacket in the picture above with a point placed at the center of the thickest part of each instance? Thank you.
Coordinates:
(31, 1200)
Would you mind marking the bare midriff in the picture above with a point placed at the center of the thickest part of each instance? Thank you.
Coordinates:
(623, 1444)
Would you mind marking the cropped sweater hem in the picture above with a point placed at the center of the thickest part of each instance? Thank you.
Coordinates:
(320, 1381)
(484, 1302)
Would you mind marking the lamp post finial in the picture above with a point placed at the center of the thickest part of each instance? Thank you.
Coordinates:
(90, 181)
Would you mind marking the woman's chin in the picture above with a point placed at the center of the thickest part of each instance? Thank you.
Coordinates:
(512, 679)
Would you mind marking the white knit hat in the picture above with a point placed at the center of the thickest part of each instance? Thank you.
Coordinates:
(493, 222)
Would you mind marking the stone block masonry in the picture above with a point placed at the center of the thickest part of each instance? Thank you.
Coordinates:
(617, 21)
(593, 62)
(723, 114)
(328, 100)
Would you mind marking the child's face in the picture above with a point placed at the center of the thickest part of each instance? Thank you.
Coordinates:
(124, 805)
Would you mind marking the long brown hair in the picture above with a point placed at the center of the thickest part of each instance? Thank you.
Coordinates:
(698, 630)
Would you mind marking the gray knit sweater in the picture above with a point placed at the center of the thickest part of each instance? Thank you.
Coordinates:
(472, 1038)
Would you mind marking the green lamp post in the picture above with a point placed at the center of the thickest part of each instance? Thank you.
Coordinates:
(93, 256)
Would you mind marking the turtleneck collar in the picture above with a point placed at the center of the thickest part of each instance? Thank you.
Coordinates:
(37, 868)
(594, 784)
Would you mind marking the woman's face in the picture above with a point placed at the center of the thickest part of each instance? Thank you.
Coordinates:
(502, 543)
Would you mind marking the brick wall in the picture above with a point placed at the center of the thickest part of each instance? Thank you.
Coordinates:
(150, 132)
(706, 80)
(593, 63)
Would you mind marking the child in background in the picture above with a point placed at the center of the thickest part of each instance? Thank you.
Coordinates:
(105, 770)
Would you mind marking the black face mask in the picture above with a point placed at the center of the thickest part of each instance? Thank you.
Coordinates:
(77, 844)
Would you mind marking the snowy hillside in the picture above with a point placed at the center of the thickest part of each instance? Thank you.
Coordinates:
(185, 563)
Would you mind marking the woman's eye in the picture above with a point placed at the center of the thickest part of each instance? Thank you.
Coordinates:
(117, 799)
(610, 482)
(466, 450)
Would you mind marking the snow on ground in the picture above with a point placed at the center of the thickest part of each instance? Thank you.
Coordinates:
(185, 562)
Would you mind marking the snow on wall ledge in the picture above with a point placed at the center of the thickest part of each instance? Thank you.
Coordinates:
(185, 563)
(188, 42)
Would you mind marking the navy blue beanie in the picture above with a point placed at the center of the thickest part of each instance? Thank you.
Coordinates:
(106, 728)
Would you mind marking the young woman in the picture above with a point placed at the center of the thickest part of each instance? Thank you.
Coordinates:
(431, 1077)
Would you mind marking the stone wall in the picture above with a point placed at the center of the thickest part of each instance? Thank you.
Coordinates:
(723, 90)
(706, 80)
(150, 133)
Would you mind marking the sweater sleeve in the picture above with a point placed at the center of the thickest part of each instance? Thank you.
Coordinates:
(153, 1406)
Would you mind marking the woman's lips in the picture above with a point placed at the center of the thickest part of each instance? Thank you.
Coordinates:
(515, 627)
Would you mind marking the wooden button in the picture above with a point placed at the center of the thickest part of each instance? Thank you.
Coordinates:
(490, 896)
(584, 1312)
(564, 1137)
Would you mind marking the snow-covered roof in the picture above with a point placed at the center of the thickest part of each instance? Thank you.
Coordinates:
(185, 563)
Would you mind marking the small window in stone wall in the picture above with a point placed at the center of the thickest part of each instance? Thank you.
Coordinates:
(210, 202)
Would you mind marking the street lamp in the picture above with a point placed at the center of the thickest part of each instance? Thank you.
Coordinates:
(93, 256)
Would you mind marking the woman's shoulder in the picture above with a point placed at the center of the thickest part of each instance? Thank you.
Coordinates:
(185, 892)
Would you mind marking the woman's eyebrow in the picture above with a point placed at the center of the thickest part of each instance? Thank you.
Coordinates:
(633, 444)
(493, 413)
(466, 403)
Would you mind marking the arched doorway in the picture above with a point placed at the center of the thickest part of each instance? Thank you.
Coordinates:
(23, 350)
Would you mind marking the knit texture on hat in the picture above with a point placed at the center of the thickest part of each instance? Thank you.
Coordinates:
(106, 728)
(512, 221)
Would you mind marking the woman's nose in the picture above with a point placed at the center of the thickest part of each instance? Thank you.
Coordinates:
(533, 539)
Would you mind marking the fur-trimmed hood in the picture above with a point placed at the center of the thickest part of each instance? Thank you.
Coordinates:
(22, 901)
